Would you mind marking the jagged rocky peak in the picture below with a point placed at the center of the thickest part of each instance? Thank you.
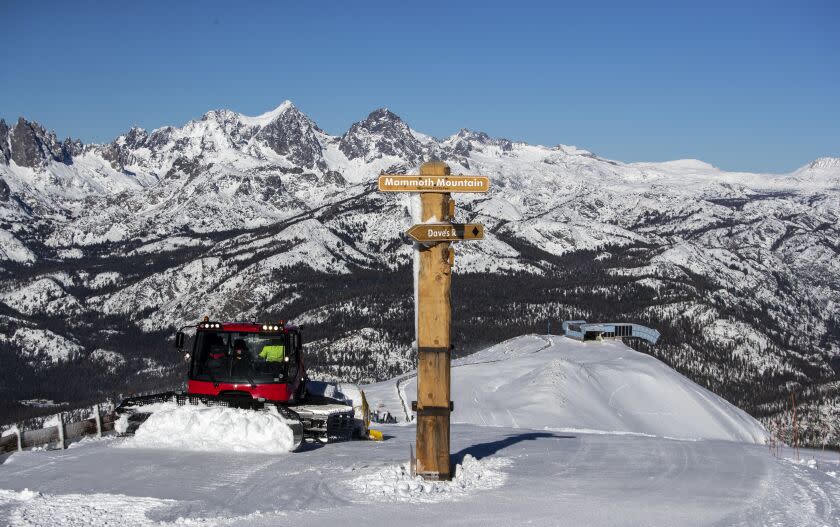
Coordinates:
(289, 132)
(466, 140)
(135, 138)
(29, 145)
(119, 152)
(382, 133)
(823, 163)
(236, 127)
(5, 148)
(472, 135)
(72, 147)
(160, 137)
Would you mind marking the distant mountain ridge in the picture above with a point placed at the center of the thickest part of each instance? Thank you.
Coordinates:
(107, 247)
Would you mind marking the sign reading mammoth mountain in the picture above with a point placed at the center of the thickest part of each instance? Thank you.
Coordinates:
(422, 183)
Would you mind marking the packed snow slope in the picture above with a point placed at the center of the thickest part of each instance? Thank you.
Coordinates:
(568, 441)
(556, 383)
(508, 477)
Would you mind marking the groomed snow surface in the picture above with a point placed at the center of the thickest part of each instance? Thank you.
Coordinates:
(588, 442)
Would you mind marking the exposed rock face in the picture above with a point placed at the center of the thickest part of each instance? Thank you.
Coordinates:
(72, 148)
(229, 123)
(120, 151)
(293, 134)
(5, 149)
(383, 133)
(136, 138)
(113, 153)
(466, 141)
(32, 146)
(334, 177)
(160, 137)
(827, 163)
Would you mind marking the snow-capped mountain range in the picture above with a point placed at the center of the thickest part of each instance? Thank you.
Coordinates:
(108, 247)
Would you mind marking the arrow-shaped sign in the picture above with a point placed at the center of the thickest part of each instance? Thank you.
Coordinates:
(446, 232)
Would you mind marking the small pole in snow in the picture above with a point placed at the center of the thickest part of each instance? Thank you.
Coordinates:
(795, 426)
(98, 419)
(19, 438)
(62, 443)
(549, 327)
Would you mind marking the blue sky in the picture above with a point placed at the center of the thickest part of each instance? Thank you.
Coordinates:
(742, 86)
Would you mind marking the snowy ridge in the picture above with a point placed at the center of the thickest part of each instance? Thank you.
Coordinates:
(234, 217)
(555, 383)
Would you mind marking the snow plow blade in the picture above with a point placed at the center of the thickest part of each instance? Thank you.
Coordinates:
(133, 411)
(327, 423)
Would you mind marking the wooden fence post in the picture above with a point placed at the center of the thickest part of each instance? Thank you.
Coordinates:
(61, 441)
(97, 416)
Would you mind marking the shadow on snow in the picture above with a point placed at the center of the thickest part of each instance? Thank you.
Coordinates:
(483, 450)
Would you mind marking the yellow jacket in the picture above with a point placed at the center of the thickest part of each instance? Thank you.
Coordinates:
(273, 353)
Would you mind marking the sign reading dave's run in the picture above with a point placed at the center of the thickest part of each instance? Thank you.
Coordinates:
(446, 232)
(403, 183)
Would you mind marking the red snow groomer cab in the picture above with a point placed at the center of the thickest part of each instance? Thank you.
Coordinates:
(257, 367)
(246, 360)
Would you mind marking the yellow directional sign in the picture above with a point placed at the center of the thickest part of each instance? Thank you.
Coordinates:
(424, 183)
(446, 232)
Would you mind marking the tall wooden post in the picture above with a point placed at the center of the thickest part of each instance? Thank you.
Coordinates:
(434, 312)
(434, 320)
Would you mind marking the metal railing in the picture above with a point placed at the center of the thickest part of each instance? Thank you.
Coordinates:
(62, 433)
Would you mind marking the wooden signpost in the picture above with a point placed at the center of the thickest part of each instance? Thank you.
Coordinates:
(434, 311)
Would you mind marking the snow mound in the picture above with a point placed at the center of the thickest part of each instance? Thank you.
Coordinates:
(395, 483)
(214, 429)
(555, 383)
(24, 495)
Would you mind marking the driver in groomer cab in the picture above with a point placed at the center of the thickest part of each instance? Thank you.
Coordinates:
(241, 360)
(274, 351)
(217, 352)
